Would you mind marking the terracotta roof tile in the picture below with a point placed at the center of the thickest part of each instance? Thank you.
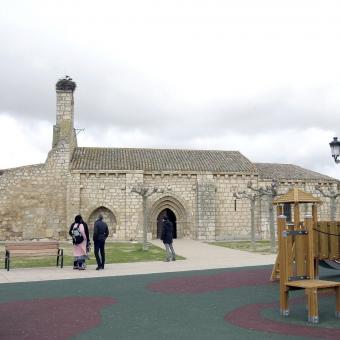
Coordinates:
(288, 172)
(85, 158)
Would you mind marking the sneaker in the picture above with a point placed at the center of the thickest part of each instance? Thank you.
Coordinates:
(81, 268)
(75, 267)
(98, 268)
(174, 259)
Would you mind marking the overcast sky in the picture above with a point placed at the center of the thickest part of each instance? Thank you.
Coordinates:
(261, 77)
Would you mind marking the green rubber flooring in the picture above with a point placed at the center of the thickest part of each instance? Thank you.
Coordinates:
(238, 303)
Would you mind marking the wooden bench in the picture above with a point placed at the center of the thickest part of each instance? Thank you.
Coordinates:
(37, 249)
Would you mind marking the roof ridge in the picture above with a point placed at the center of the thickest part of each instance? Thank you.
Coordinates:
(154, 149)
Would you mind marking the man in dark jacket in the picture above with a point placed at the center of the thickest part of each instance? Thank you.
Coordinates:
(166, 237)
(100, 234)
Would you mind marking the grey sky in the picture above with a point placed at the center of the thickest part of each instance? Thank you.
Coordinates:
(261, 77)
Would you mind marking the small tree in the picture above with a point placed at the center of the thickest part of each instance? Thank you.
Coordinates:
(145, 192)
(332, 195)
(252, 198)
(269, 191)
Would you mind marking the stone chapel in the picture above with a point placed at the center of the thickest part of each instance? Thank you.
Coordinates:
(195, 188)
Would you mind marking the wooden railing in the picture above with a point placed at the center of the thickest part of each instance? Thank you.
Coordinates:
(327, 240)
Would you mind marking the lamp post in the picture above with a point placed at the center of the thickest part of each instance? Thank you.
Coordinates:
(335, 149)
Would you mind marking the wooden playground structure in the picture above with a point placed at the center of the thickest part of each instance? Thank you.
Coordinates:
(302, 244)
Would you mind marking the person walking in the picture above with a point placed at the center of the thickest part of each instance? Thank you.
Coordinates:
(80, 241)
(100, 234)
(167, 238)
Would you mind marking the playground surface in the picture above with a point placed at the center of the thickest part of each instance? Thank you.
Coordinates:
(234, 303)
(169, 302)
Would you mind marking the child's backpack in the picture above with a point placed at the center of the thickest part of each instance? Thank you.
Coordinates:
(76, 235)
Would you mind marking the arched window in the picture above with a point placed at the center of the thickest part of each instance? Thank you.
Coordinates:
(109, 218)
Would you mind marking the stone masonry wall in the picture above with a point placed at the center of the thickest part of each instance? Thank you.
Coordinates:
(206, 208)
(179, 194)
(32, 203)
(92, 190)
(40, 201)
(232, 219)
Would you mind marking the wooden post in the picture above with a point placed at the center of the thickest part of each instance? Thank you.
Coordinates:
(333, 241)
(284, 307)
(316, 240)
(316, 234)
(310, 247)
(275, 275)
(300, 243)
(312, 297)
(312, 293)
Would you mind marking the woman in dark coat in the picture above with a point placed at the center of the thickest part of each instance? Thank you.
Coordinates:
(166, 237)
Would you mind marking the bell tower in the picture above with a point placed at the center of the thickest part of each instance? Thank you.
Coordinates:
(63, 130)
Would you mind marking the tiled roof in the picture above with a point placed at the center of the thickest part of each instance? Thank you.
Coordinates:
(85, 158)
(288, 172)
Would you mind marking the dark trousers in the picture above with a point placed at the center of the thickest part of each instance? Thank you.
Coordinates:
(99, 252)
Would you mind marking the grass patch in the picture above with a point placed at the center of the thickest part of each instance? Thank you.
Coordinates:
(115, 252)
(262, 247)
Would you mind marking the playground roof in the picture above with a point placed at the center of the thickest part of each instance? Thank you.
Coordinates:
(296, 195)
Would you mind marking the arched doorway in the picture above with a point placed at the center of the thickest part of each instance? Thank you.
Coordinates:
(171, 216)
(177, 212)
(109, 218)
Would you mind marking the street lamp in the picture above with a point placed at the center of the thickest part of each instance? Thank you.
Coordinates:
(335, 149)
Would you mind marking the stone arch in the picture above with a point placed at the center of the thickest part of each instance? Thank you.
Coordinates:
(109, 218)
(173, 219)
(175, 205)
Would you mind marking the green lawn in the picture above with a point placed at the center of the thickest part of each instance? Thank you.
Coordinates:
(115, 252)
(260, 246)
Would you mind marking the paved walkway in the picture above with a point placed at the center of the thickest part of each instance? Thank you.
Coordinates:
(198, 256)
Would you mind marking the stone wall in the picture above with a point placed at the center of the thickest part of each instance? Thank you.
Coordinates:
(232, 218)
(40, 201)
(32, 203)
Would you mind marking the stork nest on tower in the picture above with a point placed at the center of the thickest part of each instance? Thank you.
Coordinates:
(66, 84)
